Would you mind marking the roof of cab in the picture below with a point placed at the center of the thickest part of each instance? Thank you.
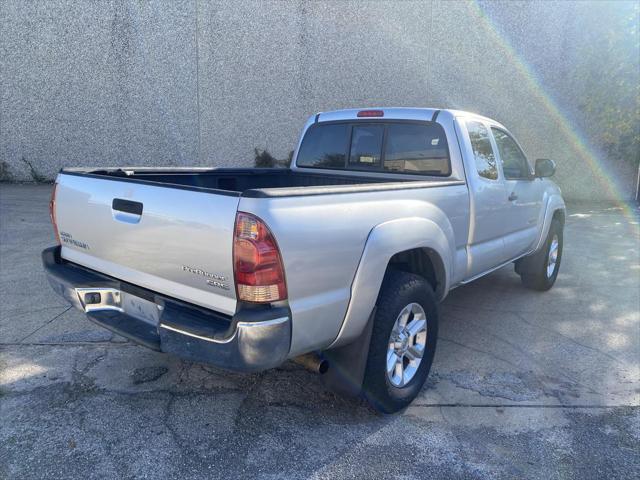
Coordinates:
(395, 113)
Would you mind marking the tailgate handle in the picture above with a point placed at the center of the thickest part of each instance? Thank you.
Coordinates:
(127, 206)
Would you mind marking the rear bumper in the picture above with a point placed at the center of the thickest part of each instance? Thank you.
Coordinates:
(254, 339)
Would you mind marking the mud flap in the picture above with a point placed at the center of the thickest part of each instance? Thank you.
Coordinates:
(531, 263)
(347, 364)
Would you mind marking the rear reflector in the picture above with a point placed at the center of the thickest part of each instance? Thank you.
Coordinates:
(52, 212)
(370, 113)
(257, 264)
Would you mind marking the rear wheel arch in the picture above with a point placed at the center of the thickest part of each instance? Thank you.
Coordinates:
(431, 245)
(424, 262)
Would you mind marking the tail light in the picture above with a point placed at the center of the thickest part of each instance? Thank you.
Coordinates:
(52, 212)
(257, 264)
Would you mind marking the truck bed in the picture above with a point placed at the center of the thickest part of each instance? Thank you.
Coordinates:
(238, 181)
(155, 227)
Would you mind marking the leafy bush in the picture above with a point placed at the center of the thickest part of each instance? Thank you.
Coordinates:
(610, 70)
(263, 159)
(5, 174)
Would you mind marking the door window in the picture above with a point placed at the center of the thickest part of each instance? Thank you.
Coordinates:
(482, 150)
(514, 163)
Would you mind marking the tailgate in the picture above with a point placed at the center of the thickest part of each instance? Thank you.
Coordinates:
(179, 245)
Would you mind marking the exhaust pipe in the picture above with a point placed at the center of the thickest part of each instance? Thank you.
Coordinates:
(312, 362)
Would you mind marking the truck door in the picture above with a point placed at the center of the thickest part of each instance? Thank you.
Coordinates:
(524, 195)
(488, 200)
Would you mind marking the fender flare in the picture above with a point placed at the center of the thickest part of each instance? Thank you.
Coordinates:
(554, 204)
(384, 241)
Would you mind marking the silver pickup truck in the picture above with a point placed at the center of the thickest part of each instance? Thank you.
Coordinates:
(338, 262)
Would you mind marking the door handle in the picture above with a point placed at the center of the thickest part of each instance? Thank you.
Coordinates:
(126, 211)
(127, 206)
(513, 196)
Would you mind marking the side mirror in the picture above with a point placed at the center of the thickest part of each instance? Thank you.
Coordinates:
(545, 167)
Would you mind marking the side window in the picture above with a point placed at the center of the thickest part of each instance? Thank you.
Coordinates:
(325, 146)
(366, 146)
(514, 163)
(416, 148)
(482, 150)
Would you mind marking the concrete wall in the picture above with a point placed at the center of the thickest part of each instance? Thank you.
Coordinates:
(204, 83)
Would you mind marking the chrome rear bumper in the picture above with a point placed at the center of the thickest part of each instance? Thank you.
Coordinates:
(254, 339)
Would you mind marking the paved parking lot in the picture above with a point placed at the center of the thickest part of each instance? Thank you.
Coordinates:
(524, 384)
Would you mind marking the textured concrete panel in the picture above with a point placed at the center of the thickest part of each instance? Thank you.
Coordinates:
(366, 54)
(93, 83)
(542, 43)
(204, 83)
(479, 71)
(249, 80)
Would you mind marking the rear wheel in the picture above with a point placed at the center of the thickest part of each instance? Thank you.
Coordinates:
(403, 341)
(539, 271)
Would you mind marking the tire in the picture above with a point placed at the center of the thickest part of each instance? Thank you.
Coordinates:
(536, 271)
(399, 291)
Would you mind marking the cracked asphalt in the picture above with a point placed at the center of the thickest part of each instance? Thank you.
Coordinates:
(524, 384)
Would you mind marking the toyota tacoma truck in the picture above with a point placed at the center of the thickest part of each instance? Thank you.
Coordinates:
(338, 262)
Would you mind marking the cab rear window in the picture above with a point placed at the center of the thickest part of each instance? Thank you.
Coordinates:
(418, 148)
(325, 146)
(366, 146)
